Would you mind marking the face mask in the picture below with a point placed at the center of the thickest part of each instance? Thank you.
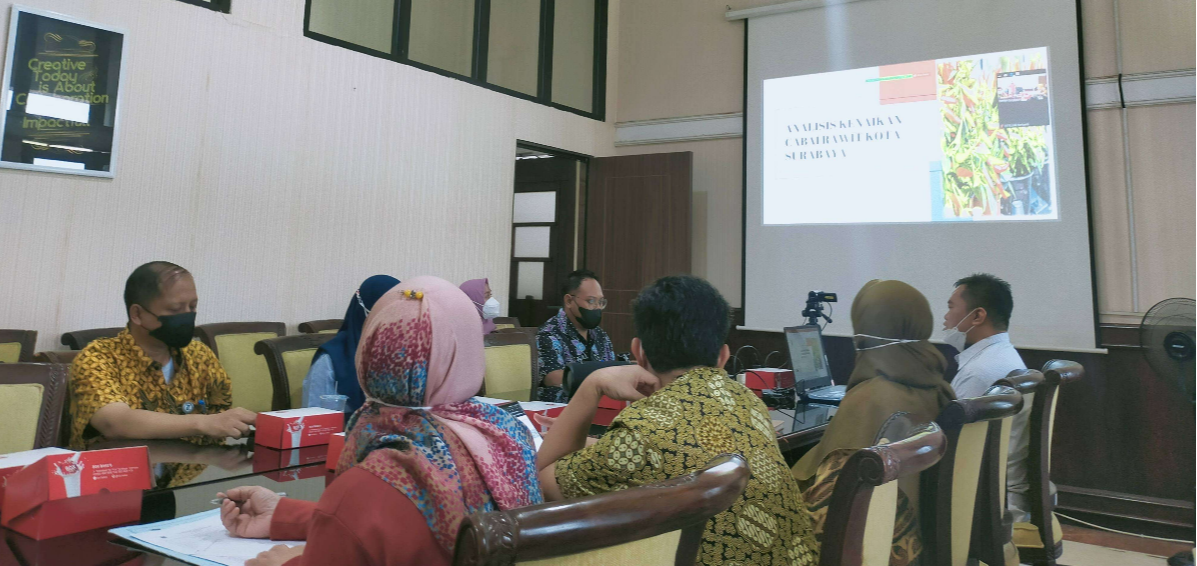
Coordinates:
(490, 309)
(176, 330)
(589, 318)
(955, 338)
(890, 341)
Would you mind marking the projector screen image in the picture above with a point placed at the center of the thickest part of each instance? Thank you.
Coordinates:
(954, 139)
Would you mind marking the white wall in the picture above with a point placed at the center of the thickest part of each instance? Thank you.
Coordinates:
(281, 171)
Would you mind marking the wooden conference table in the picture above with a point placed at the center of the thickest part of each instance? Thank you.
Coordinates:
(188, 477)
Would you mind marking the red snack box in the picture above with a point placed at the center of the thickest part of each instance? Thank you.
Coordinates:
(296, 428)
(768, 378)
(608, 408)
(336, 443)
(14, 462)
(269, 459)
(541, 408)
(64, 494)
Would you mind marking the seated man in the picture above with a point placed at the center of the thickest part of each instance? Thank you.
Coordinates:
(692, 413)
(151, 380)
(982, 303)
(574, 334)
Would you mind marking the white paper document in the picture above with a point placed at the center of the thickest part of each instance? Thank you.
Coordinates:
(200, 536)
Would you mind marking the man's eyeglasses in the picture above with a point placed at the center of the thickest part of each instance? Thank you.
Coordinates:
(592, 303)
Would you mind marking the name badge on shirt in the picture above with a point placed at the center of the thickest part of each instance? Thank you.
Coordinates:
(188, 407)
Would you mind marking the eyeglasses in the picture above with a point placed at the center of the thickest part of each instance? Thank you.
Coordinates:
(592, 303)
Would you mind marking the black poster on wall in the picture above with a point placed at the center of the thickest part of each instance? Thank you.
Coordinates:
(61, 81)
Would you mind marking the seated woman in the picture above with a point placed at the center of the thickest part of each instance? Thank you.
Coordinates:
(686, 413)
(897, 370)
(419, 456)
(333, 370)
(478, 290)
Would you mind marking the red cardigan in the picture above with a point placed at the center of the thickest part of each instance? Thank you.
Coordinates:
(359, 519)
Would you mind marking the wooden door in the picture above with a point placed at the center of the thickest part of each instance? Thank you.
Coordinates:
(637, 229)
(565, 177)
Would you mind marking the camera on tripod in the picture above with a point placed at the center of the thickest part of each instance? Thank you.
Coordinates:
(814, 306)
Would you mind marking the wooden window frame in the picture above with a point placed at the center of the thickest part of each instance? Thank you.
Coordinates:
(401, 37)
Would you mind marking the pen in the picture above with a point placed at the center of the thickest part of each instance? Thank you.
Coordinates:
(220, 500)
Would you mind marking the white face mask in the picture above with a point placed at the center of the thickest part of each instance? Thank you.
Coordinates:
(955, 338)
(890, 341)
(490, 309)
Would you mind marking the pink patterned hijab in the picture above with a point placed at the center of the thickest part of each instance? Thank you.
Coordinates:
(419, 363)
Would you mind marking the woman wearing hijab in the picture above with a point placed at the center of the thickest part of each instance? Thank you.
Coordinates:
(420, 455)
(478, 290)
(333, 370)
(897, 370)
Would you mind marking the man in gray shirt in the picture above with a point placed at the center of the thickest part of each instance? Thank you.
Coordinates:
(976, 323)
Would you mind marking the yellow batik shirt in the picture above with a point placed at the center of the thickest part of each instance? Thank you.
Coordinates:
(678, 430)
(117, 370)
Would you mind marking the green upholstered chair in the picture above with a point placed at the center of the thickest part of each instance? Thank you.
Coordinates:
(326, 326)
(864, 505)
(289, 358)
(78, 339)
(1031, 538)
(992, 522)
(17, 345)
(233, 343)
(655, 524)
(512, 366)
(948, 491)
(32, 397)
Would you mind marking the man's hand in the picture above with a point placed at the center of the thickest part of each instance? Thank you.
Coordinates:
(544, 421)
(276, 556)
(231, 423)
(624, 383)
(246, 511)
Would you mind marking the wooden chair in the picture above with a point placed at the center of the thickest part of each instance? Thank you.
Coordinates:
(993, 523)
(655, 524)
(860, 516)
(1032, 538)
(17, 346)
(289, 358)
(512, 366)
(326, 326)
(55, 357)
(502, 322)
(991, 536)
(233, 343)
(78, 339)
(948, 491)
(31, 405)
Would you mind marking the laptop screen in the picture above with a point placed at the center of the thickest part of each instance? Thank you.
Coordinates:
(807, 357)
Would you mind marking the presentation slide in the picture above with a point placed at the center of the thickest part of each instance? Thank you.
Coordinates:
(955, 139)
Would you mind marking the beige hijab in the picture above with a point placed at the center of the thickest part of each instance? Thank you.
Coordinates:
(901, 376)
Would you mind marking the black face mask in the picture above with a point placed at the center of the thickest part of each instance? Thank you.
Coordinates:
(176, 330)
(589, 318)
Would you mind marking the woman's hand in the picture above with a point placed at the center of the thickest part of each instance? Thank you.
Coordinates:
(246, 511)
(276, 556)
(624, 383)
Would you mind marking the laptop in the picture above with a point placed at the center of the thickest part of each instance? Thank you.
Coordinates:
(812, 375)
